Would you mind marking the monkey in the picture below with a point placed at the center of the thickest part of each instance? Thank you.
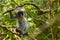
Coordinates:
(21, 21)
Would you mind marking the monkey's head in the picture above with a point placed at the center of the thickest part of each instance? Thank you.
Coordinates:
(20, 12)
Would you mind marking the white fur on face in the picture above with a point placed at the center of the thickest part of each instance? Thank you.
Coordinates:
(20, 9)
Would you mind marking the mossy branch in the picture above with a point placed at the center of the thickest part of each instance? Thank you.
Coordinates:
(6, 28)
(40, 11)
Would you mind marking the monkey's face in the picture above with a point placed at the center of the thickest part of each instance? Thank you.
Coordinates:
(20, 12)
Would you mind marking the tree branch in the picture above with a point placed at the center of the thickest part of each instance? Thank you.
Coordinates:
(40, 11)
(5, 28)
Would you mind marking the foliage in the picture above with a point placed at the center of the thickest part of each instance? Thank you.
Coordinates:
(42, 27)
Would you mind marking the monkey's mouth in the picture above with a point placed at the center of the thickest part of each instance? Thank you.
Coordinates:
(20, 13)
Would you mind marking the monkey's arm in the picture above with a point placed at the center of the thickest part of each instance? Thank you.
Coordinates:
(11, 15)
